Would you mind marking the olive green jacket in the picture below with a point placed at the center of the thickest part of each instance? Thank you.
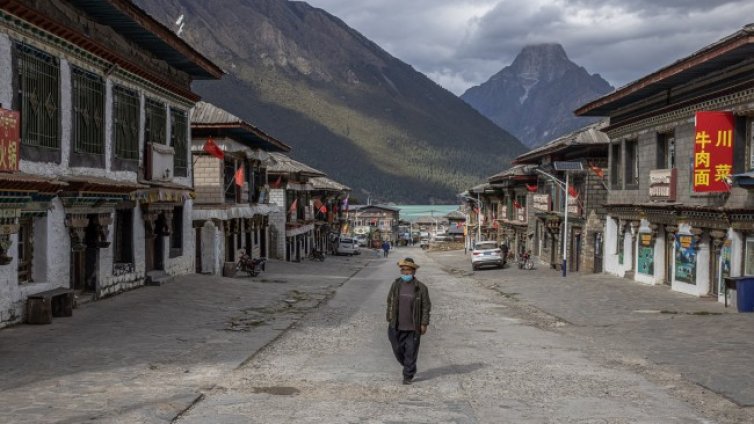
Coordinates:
(422, 304)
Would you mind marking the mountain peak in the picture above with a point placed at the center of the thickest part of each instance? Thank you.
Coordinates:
(541, 61)
(534, 97)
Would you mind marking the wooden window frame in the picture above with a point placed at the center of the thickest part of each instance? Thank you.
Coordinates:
(38, 96)
(88, 101)
(126, 110)
(178, 139)
(25, 250)
(155, 118)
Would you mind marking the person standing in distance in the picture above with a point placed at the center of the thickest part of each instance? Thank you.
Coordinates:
(408, 308)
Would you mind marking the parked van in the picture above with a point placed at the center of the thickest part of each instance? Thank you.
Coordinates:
(347, 246)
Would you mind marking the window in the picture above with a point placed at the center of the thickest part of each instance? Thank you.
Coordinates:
(176, 236)
(616, 180)
(88, 112)
(25, 250)
(178, 134)
(126, 123)
(229, 173)
(665, 151)
(38, 97)
(632, 163)
(123, 243)
(154, 123)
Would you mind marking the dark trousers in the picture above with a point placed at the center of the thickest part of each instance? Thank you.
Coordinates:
(406, 349)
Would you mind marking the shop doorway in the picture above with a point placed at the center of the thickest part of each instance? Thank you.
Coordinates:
(598, 247)
(85, 260)
(669, 260)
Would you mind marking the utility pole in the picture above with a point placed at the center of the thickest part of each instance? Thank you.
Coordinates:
(565, 227)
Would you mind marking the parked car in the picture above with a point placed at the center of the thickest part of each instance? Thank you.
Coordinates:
(347, 246)
(424, 243)
(361, 240)
(486, 253)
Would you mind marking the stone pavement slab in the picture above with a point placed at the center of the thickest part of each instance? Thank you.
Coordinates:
(145, 355)
(708, 344)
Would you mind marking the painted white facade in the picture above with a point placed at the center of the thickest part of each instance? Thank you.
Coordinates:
(52, 244)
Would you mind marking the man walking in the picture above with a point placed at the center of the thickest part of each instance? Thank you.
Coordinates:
(408, 308)
(385, 248)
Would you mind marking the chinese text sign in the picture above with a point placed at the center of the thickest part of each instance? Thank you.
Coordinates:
(713, 151)
(9, 140)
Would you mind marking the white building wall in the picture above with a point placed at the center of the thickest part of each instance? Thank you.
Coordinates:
(611, 265)
(6, 68)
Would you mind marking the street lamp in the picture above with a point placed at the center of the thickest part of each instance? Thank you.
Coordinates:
(566, 167)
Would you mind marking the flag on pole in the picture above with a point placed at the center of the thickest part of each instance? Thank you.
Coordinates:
(294, 205)
(213, 149)
(597, 170)
(532, 188)
(572, 192)
(516, 204)
(345, 203)
(238, 177)
(323, 209)
(277, 182)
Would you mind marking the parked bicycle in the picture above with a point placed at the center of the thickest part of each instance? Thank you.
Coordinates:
(253, 266)
(317, 255)
(525, 261)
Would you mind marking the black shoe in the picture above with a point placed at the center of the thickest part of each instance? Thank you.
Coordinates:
(407, 381)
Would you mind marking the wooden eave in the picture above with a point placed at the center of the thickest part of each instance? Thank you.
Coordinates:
(73, 36)
(100, 185)
(29, 183)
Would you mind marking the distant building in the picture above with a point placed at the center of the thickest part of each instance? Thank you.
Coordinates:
(382, 220)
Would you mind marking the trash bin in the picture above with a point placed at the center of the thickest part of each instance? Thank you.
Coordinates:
(745, 294)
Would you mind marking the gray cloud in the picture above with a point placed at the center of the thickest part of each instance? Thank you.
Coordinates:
(461, 43)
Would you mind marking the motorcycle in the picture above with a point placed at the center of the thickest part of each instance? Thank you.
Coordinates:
(317, 254)
(253, 266)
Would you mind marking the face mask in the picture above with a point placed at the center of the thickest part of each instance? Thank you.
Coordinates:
(407, 278)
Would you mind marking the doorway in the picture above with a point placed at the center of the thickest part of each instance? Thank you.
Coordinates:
(575, 250)
(598, 252)
(669, 259)
(85, 260)
(198, 250)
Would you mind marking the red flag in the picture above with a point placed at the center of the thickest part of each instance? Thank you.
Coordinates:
(532, 188)
(495, 224)
(277, 182)
(294, 205)
(597, 170)
(238, 177)
(572, 191)
(213, 149)
(516, 204)
(323, 209)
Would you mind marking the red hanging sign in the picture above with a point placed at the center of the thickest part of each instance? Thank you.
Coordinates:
(10, 140)
(713, 152)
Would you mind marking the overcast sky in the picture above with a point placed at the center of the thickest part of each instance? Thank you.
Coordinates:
(461, 43)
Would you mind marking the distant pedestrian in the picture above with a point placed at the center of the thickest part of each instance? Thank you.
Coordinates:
(408, 308)
(504, 249)
(385, 248)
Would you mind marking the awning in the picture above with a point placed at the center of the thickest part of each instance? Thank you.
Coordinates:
(745, 179)
(20, 181)
(232, 212)
(100, 185)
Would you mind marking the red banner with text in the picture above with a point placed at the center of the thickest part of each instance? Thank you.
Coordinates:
(10, 138)
(713, 151)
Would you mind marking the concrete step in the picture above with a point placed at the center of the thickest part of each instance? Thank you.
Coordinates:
(157, 278)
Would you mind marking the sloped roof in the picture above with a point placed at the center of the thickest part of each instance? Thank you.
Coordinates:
(208, 119)
(282, 164)
(455, 215)
(588, 135)
(521, 170)
(324, 183)
(137, 25)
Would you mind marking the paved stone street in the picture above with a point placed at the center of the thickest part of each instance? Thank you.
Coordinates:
(503, 346)
(484, 360)
(146, 355)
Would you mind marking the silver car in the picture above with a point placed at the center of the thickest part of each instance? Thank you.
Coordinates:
(486, 253)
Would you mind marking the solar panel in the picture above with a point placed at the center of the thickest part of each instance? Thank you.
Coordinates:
(568, 166)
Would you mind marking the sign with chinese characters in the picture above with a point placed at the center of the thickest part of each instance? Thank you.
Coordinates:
(662, 183)
(713, 151)
(10, 138)
(541, 202)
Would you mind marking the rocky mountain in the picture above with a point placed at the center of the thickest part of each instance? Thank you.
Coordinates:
(534, 98)
(345, 105)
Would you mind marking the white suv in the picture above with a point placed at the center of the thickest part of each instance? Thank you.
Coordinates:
(347, 246)
(486, 253)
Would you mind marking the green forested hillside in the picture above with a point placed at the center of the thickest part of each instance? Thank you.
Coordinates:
(345, 105)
